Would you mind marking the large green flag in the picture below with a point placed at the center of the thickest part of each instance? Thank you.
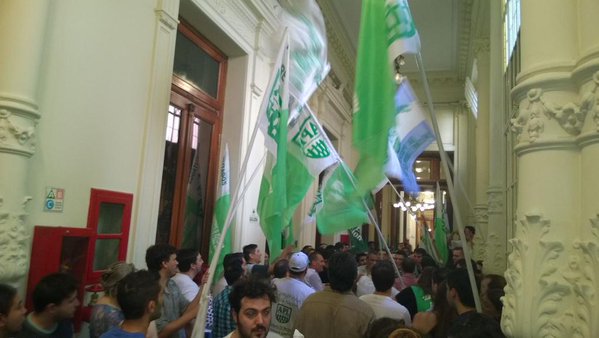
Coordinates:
(309, 153)
(221, 208)
(194, 206)
(274, 115)
(358, 244)
(340, 207)
(440, 227)
(386, 31)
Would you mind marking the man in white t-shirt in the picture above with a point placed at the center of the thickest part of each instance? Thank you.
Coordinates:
(383, 277)
(190, 264)
(316, 267)
(291, 292)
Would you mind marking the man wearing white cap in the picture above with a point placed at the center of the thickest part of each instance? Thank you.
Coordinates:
(291, 293)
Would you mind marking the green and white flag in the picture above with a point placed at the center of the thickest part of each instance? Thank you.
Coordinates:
(194, 205)
(358, 244)
(386, 31)
(341, 207)
(273, 118)
(440, 227)
(308, 64)
(309, 153)
(402, 34)
(221, 208)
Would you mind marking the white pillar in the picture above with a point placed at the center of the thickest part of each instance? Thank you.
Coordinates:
(553, 270)
(495, 253)
(481, 52)
(22, 26)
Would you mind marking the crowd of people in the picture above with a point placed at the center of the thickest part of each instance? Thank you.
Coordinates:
(314, 292)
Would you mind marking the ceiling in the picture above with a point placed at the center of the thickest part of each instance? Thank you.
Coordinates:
(445, 28)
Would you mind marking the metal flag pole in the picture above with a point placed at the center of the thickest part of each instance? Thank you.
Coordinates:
(200, 321)
(376, 225)
(450, 186)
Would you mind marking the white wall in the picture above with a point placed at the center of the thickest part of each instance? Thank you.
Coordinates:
(93, 94)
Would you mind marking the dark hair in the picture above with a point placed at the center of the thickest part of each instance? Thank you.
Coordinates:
(382, 327)
(421, 251)
(233, 272)
(360, 255)
(342, 271)
(53, 289)
(247, 250)
(383, 276)
(439, 275)
(459, 248)
(236, 257)
(252, 288)
(314, 256)
(476, 325)
(458, 279)
(135, 291)
(158, 254)
(425, 280)
(260, 271)
(471, 228)
(186, 257)
(280, 268)
(408, 265)
(307, 249)
(445, 313)
(495, 281)
(7, 296)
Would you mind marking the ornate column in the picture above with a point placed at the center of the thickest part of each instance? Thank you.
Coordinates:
(481, 52)
(553, 270)
(495, 253)
(20, 59)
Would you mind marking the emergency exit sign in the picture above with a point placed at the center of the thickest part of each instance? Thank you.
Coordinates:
(54, 199)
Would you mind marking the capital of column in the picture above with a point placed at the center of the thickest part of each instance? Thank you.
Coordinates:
(539, 112)
(17, 133)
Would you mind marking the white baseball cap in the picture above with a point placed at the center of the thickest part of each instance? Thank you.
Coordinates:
(298, 262)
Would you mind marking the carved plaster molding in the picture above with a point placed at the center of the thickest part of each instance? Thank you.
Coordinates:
(17, 134)
(481, 45)
(495, 201)
(481, 214)
(570, 116)
(494, 261)
(338, 43)
(593, 98)
(464, 36)
(582, 273)
(14, 239)
(535, 289)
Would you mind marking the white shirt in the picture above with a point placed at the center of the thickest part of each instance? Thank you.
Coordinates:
(365, 286)
(189, 289)
(384, 306)
(291, 294)
(313, 279)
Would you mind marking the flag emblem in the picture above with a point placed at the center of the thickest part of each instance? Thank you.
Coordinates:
(399, 21)
(283, 313)
(310, 139)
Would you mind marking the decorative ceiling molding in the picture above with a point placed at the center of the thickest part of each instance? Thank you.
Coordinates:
(339, 44)
(464, 36)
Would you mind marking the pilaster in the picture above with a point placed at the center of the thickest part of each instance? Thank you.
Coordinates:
(20, 59)
(496, 241)
(552, 268)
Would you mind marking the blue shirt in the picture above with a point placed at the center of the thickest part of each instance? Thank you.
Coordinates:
(173, 306)
(223, 322)
(117, 332)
